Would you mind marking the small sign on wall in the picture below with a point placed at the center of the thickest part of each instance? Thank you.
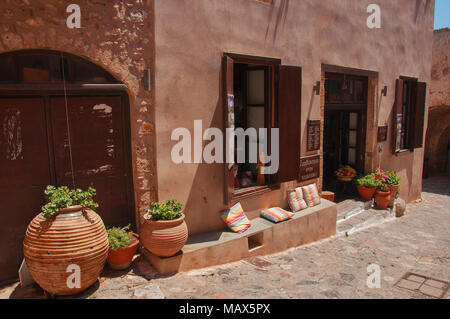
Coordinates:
(382, 133)
(313, 136)
(309, 167)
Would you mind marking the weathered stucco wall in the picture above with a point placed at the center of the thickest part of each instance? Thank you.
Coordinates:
(118, 36)
(438, 133)
(440, 72)
(191, 36)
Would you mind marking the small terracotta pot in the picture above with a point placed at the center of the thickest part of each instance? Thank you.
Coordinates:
(394, 191)
(366, 192)
(382, 199)
(164, 238)
(121, 258)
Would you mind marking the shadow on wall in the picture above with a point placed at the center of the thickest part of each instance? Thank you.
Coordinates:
(208, 180)
(396, 163)
(281, 15)
(419, 5)
(437, 140)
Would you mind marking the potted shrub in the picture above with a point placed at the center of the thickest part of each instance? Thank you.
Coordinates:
(393, 182)
(122, 246)
(367, 186)
(382, 195)
(164, 231)
(66, 233)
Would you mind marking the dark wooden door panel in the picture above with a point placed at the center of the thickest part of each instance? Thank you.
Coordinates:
(289, 120)
(98, 151)
(24, 174)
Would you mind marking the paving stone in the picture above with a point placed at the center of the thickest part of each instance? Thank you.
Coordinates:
(332, 268)
(416, 279)
(307, 283)
(435, 284)
(411, 285)
(347, 277)
(431, 291)
(149, 292)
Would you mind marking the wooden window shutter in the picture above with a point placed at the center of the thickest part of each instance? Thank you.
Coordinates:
(397, 114)
(228, 110)
(419, 114)
(289, 121)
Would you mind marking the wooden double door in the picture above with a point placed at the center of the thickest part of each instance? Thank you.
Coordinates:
(34, 153)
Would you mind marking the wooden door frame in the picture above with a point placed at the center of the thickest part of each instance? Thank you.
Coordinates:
(360, 108)
(46, 92)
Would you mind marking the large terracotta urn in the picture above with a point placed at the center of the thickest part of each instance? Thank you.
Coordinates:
(55, 248)
(164, 238)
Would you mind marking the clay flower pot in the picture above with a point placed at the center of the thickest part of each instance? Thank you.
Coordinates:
(394, 190)
(366, 192)
(121, 258)
(74, 237)
(164, 238)
(382, 199)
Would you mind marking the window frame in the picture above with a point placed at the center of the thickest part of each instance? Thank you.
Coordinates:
(413, 118)
(233, 196)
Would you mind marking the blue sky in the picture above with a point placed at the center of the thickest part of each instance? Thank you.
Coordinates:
(442, 14)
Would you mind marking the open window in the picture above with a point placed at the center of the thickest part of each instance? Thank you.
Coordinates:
(260, 93)
(408, 114)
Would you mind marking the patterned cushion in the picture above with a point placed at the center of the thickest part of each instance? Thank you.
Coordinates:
(296, 200)
(276, 214)
(235, 219)
(311, 195)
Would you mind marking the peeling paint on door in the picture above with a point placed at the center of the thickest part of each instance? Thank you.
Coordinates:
(12, 133)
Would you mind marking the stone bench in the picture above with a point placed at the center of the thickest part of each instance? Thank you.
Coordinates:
(262, 238)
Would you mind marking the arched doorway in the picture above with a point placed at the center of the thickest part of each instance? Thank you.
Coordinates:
(35, 88)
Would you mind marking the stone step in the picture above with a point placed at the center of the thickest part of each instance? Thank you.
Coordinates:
(350, 208)
(364, 219)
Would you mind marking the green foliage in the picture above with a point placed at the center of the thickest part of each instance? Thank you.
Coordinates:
(392, 178)
(120, 237)
(169, 210)
(367, 181)
(383, 187)
(62, 197)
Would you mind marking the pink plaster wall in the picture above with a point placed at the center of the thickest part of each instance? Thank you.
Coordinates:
(191, 36)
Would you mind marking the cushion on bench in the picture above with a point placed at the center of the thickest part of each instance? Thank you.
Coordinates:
(276, 214)
(296, 200)
(236, 219)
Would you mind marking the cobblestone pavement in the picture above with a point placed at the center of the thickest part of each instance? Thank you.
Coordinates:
(417, 243)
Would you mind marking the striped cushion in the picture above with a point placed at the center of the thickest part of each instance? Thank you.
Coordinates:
(276, 214)
(311, 195)
(235, 219)
(296, 200)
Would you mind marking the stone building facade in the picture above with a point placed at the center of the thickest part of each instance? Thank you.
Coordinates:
(438, 134)
(181, 45)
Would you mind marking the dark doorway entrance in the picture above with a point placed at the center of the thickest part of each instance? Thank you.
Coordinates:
(344, 129)
(34, 144)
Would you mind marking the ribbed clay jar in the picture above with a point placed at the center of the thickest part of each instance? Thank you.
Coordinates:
(75, 236)
(164, 238)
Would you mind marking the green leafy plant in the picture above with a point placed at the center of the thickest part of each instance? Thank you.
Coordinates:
(392, 178)
(383, 187)
(169, 210)
(120, 237)
(62, 197)
(368, 181)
